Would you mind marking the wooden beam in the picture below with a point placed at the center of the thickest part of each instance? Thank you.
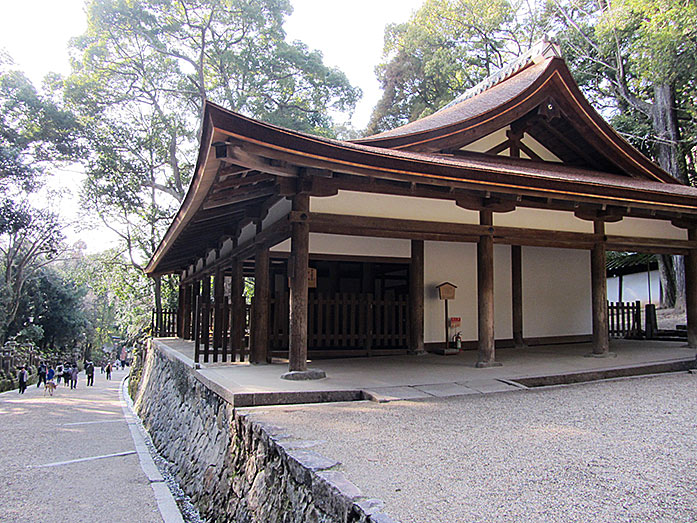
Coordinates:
(691, 292)
(300, 241)
(218, 297)
(260, 318)
(517, 294)
(416, 298)
(601, 333)
(238, 312)
(486, 356)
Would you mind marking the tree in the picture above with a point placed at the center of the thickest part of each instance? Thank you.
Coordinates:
(447, 47)
(141, 74)
(35, 134)
(25, 249)
(639, 57)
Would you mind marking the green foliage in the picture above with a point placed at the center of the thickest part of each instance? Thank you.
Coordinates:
(637, 61)
(35, 133)
(447, 47)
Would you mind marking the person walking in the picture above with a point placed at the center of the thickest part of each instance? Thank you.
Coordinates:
(67, 368)
(89, 371)
(22, 378)
(59, 373)
(42, 375)
(108, 371)
(50, 374)
(73, 376)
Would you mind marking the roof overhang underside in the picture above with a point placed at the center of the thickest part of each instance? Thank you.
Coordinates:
(244, 166)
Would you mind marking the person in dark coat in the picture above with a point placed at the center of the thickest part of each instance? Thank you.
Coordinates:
(22, 378)
(108, 371)
(42, 374)
(89, 371)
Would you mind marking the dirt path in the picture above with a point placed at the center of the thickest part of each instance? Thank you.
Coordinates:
(71, 457)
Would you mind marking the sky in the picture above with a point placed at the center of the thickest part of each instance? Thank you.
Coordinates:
(350, 35)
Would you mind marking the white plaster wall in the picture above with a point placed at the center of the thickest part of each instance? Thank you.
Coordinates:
(556, 292)
(353, 246)
(276, 212)
(635, 287)
(391, 206)
(645, 228)
(497, 137)
(457, 263)
(542, 219)
(248, 232)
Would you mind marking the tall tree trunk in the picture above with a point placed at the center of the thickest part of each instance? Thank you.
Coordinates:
(668, 154)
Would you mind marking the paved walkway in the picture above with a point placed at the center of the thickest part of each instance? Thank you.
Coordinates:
(71, 457)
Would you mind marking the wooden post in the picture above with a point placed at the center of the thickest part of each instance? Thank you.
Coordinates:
(691, 291)
(180, 311)
(186, 319)
(485, 294)
(205, 316)
(260, 318)
(218, 297)
(517, 294)
(601, 333)
(299, 252)
(237, 312)
(416, 298)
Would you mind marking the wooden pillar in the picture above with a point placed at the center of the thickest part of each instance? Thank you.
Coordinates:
(188, 311)
(206, 316)
(196, 318)
(485, 294)
(180, 311)
(416, 298)
(299, 252)
(691, 291)
(260, 318)
(517, 294)
(238, 312)
(601, 333)
(218, 297)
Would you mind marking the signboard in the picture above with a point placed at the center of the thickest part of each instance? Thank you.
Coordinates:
(446, 291)
(455, 321)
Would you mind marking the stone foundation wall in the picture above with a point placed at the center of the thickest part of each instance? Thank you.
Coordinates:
(233, 467)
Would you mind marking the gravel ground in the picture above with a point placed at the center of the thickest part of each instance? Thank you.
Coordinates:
(36, 430)
(623, 450)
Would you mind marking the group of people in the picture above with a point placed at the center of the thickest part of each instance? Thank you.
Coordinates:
(68, 371)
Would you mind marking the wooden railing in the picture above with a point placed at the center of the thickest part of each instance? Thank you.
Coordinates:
(164, 324)
(624, 319)
(344, 324)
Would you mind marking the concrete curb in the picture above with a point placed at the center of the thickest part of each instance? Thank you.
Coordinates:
(165, 501)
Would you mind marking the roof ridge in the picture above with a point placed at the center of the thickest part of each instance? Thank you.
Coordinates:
(540, 50)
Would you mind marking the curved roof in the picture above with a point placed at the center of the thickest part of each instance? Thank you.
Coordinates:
(544, 87)
(219, 199)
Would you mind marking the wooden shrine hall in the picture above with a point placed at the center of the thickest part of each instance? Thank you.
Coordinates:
(513, 193)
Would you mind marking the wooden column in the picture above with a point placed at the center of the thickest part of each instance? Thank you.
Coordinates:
(601, 333)
(196, 319)
(691, 291)
(238, 312)
(485, 294)
(260, 319)
(205, 316)
(180, 311)
(517, 294)
(299, 252)
(188, 311)
(416, 298)
(218, 297)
